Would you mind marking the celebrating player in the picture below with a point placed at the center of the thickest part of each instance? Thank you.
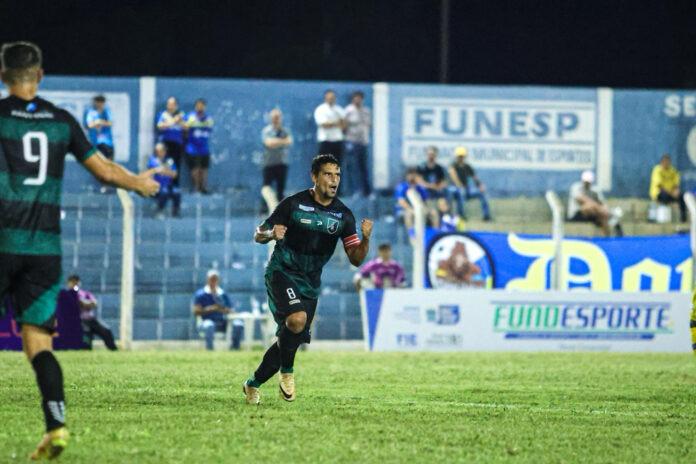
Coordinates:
(35, 136)
(306, 227)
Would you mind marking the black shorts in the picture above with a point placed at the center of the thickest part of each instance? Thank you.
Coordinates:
(284, 299)
(31, 285)
(106, 150)
(197, 161)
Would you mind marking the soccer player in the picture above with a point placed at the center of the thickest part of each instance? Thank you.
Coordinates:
(306, 227)
(35, 137)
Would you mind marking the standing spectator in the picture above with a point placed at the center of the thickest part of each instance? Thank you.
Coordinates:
(404, 207)
(166, 174)
(91, 325)
(200, 126)
(98, 122)
(433, 178)
(358, 123)
(171, 125)
(276, 140)
(381, 272)
(211, 305)
(586, 203)
(330, 119)
(462, 176)
(664, 185)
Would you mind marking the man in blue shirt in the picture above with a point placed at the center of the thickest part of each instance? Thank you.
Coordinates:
(200, 126)
(403, 205)
(97, 120)
(171, 125)
(166, 174)
(211, 305)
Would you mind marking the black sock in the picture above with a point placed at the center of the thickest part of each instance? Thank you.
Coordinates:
(289, 343)
(50, 379)
(269, 365)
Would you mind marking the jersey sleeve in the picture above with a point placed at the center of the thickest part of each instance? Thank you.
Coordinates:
(350, 235)
(198, 299)
(280, 216)
(79, 146)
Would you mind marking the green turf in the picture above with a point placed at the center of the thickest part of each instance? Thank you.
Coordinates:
(157, 407)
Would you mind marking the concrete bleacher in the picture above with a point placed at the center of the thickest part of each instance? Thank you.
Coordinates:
(173, 254)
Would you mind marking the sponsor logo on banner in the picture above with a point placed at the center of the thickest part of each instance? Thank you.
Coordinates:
(527, 319)
(458, 261)
(407, 339)
(541, 135)
(447, 341)
(444, 315)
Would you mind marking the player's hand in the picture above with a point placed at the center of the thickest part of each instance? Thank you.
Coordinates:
(147, 186)
(366, 227)
(279, 232)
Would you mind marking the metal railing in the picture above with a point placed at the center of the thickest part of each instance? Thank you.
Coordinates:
(557, 236)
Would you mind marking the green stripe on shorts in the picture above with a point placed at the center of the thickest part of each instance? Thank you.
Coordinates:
(42, 309)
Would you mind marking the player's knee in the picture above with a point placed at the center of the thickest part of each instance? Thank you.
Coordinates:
(296, 322)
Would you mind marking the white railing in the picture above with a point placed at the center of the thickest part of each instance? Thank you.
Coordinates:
(271, 199)
(557, 237)
(418, 241)
(127, 270)
(690, 201)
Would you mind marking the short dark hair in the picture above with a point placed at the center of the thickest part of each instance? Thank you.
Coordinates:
(74, 277)
(99, 99)
(321, 160)
(384, 246)
(411, 170)
(200, 100)
(329, 90)
(358, 93)
(17, 58)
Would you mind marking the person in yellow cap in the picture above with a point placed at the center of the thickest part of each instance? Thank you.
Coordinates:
(664, 185)
(463, 176)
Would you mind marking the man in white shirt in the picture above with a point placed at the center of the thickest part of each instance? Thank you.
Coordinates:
(586, 203)
(330, 119)
(358, 123)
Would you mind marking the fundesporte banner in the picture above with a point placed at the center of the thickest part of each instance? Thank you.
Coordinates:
(497, 320)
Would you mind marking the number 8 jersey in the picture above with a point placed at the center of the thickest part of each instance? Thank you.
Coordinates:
(35, 136)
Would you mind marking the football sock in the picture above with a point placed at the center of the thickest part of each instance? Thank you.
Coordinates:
(692, 324)
(50, 379)
(268, 367)
(289, 343)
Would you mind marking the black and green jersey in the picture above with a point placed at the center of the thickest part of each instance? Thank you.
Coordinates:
(310, 241)
(35, 136)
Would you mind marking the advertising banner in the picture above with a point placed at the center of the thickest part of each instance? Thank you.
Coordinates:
(524, 262)
(497, 320)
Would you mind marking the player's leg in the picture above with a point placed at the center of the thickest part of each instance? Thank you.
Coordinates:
(105, 334)
(295, 332)
(203, 172)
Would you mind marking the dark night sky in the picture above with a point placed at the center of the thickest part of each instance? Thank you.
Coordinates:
(590, 43)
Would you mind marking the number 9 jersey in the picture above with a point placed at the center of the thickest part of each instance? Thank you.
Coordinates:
(35, 137)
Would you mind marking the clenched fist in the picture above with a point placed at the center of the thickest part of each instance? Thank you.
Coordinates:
(366, 226)
(278, 232)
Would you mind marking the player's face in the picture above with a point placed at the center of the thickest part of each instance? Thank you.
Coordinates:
(326, 182)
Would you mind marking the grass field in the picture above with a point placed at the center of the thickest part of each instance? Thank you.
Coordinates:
(153, 407)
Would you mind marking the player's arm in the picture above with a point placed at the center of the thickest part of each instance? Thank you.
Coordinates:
(274, 227)
(357, 251)
(265, 235)
(116, 175)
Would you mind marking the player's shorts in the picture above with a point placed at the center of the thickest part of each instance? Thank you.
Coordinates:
(197, 161)
(31, 285)
(285, 299)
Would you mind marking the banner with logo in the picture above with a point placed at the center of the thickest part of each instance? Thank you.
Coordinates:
(496, 320)
(524, 262)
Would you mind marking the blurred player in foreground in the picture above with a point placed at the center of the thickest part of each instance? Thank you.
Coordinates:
(35, 137)
(306, 227)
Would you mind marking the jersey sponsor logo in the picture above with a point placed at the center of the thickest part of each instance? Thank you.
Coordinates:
(331, 225)
(334, 213)
(305, 221)
(306, 208)
(26, 115)
(295, 301)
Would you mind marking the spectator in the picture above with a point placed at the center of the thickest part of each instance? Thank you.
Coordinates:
(200, 126)
(91, 325)
(432, 177)
(276, 140)
(664, 185)
(586, 203)
(211, 305)
(166, 174)
(171, 125)
(98, 122)
(404, 207)
(358, 121)
(462, 176)
(381, 272)
(330, 119)
(449, 222)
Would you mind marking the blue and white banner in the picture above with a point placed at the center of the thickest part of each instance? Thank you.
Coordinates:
(524, 262)
(497, 320)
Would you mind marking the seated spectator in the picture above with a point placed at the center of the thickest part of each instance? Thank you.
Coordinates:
(462, 176)
(449, 222)
(91, 325)
(432, 177)
(404, 207)
(166, 173)
(381, 272)
(211, 305)
(586, 204)
(664, 185)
